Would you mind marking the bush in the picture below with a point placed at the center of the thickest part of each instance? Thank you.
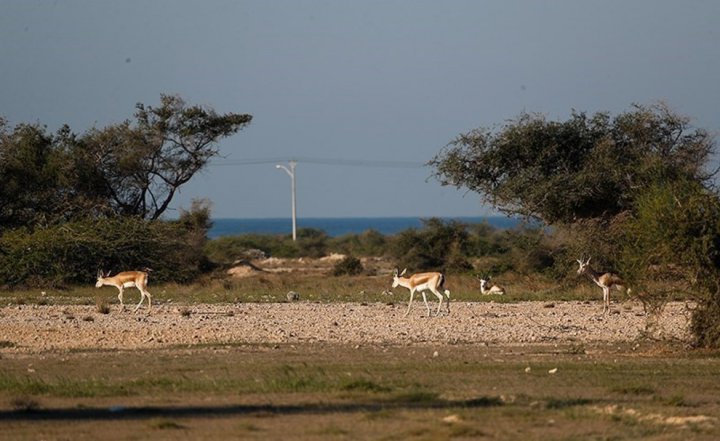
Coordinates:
(437, 246)
(226, 250)
(349, 265)
(72, 253)
(674, 238)
(368, 243)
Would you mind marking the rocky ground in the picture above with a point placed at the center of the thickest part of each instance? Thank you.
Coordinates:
(37, 328)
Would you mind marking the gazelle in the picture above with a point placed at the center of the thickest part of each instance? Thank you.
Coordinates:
(126, 279)
(421, 282)
(487, 288)
(606, 281)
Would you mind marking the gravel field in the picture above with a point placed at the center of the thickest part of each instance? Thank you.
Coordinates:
(34, 328)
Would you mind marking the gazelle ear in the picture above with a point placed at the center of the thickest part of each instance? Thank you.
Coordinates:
(404, 271)
(395, 272)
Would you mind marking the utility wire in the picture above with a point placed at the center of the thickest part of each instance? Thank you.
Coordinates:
(322, 161)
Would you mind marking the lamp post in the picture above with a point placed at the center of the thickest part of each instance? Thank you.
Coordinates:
(291, 172)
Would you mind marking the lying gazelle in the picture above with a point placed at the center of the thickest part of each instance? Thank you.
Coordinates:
(421, 282)
(487, 288)
(606, 281)
(126, 279)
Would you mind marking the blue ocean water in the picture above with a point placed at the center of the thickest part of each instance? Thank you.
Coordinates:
(340, 226)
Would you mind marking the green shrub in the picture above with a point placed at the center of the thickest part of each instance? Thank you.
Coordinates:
(437, 246)
(226, 250)
(367, 243)
(349, 265)
(71, 253)
(674, 239)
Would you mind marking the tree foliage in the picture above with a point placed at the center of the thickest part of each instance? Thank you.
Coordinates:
(583, 168)
(138, 167)
(126, 169)
(672, 245)
(37, 180)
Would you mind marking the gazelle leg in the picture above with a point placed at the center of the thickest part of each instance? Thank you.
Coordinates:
(142, 297)
(606, 300)
(120, 297)
(440, 298)
(426, 303)
(412, 293)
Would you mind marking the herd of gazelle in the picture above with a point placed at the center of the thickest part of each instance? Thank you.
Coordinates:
(420, 282)
(434, 281)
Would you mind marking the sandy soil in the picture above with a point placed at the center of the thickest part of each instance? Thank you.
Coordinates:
(35, 328)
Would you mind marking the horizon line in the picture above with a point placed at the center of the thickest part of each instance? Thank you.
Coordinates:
(372, 217)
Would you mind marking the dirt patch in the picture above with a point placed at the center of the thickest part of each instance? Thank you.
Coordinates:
(38, 328)
(304, 265)
(244, 268)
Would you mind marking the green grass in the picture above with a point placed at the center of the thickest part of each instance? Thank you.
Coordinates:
(61, 386)
(415, 379)
(375, 392)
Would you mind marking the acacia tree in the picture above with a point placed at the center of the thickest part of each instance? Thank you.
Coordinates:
(138, 167)
(587, 167)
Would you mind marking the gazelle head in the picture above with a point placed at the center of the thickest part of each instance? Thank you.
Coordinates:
(100, 277)
(483, 284)
(583, 266)
(396, 277)
(484, 281)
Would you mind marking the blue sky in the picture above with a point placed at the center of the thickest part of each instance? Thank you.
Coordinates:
(352, 80)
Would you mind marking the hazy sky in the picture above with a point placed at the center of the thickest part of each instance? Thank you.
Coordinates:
(352, 80)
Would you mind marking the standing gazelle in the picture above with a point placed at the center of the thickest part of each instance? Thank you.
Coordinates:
(421, 282)
(606, 281)
(126, 279)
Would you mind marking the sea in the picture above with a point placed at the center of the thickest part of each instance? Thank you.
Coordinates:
(341, 226)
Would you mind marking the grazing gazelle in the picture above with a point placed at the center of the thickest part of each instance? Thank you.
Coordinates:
(486, 288)
(606, 281)
(421, 282)
(126, 279)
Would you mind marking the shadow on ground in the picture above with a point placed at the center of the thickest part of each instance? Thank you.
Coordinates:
(121, 412)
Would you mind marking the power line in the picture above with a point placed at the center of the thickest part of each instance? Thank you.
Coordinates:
(322, 161)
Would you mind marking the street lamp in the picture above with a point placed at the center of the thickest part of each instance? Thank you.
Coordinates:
(291, 172)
